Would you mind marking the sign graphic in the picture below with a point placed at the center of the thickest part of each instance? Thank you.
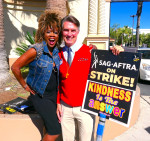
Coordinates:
(111, 85)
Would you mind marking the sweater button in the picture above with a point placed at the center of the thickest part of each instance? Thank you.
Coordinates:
(45, 80)
(49, 71)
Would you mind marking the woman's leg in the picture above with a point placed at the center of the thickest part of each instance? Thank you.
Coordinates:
(47, 110)
(48, 137)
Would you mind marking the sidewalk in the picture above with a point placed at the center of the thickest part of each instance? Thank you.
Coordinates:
(140, 131)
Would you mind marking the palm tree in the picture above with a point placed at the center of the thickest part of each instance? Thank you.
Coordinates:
(4, 71)
(58, 5)
(139, 11)
(113, 32)
(127, 33)
(142, 38)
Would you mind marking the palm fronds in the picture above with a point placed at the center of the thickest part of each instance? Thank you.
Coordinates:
(30, 38)
(23, 47)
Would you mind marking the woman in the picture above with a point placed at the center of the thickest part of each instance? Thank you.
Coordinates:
(42, 80)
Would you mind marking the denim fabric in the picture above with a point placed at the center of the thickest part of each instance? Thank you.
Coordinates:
(41, 68)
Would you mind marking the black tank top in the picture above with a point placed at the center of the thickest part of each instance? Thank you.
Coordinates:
(51, 89)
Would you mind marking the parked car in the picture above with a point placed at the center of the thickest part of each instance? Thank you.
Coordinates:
(145, 64)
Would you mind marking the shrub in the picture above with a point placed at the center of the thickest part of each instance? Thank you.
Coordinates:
(23, 47)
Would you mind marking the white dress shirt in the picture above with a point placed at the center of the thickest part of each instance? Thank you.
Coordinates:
(74, 48)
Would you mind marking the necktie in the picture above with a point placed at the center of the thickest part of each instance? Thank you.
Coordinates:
(69, 56)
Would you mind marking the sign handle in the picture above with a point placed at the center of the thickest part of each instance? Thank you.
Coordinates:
(101, 126)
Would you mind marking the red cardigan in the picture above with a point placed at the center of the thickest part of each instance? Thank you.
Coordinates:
(72, 87)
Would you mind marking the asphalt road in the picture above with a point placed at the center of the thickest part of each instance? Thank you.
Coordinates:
(144, 90)
(144, 85)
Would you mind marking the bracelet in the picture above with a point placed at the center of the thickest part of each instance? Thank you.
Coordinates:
(25, 86)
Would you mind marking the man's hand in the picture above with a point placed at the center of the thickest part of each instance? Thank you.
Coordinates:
(92, 47)
(59, 112)
(116, 49)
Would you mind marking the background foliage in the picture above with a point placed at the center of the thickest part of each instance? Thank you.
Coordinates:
(123, 36)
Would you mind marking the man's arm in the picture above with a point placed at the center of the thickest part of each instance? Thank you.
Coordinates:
(59, 112)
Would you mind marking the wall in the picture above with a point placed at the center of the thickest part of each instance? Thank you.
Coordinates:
(20, 17)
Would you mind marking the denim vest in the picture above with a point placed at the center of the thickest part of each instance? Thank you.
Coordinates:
(40, 69)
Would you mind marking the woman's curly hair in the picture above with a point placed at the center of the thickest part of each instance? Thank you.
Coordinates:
(47, 19)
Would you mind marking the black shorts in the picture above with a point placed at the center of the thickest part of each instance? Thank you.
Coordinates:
(46, 108)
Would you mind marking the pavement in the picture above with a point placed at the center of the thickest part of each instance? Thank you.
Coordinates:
(140, 131)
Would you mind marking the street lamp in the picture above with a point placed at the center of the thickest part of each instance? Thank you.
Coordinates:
(132, 28)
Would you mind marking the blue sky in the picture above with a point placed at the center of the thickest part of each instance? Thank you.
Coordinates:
(121, 11)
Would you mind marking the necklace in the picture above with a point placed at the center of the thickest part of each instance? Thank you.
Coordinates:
(67, 74)
(67, 65)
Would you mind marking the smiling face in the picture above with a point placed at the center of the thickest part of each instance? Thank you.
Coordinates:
(51, 35)
(70, 32)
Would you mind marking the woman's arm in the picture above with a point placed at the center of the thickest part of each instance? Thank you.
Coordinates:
(22, 61)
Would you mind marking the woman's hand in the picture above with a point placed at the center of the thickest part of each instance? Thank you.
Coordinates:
(27, 88)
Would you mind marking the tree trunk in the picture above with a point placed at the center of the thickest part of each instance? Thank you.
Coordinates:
(57, 5)
(4, 70)
(139, 11)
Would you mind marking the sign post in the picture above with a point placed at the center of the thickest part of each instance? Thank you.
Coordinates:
(101, 126)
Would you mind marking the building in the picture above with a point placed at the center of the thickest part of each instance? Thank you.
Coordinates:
(21, 16)
(141, 31)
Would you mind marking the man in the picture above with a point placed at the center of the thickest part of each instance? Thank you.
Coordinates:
(73, 79)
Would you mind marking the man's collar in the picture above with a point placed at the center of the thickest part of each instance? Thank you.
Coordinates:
(77, 45)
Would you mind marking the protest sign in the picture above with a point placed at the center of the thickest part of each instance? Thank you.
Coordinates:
(111, 85)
